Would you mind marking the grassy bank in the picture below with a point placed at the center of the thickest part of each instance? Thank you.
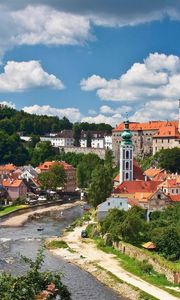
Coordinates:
(140, 269)
(11, 208)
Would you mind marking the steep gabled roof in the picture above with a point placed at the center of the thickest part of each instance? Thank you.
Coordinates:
(131, 187)
(12, 183)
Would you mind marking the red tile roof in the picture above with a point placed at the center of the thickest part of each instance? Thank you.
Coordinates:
(12, 183)
(167, 130)
(170, 183)
(48, 164)
(175, 198)
(151, 125)
(130, 187)
(151, 172)
(8, 168)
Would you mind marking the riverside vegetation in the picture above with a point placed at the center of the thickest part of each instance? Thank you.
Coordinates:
(31, 284)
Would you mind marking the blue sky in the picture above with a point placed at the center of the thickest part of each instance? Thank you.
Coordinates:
(91, 60)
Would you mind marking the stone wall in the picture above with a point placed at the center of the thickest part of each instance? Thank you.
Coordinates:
(99, 152)
(132, 251)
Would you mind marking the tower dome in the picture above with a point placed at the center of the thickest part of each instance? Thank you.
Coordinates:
(126, 135)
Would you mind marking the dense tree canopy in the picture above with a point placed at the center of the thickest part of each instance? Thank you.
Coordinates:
(168, 159)
(131, 227)
(54, 178)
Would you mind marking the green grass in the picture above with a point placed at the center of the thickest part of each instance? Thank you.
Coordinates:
(136, 267)
(11, 208)
(55, 244)
(144, 296)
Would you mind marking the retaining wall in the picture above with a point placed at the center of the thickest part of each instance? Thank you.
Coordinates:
(137, 253)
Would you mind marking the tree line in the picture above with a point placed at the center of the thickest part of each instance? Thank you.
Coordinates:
(131, 227)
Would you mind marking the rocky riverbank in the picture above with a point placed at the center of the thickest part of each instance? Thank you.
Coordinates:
(104, 266)
(20, 220)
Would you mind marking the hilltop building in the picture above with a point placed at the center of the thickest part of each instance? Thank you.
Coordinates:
(149, 137)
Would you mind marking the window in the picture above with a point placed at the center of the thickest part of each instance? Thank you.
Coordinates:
(176, 191)
(127, 154)
(127, 176)
(108, 203)
(159, 196)
(127, 165)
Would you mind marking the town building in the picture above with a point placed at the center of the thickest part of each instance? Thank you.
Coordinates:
(110, 203)
(167, 137)
(64, 138)
(137, 174)
(171, 186)
(129, 188)
(15, 188)
(151, 202)
(95, 139)
(70, 171)
(142, 136)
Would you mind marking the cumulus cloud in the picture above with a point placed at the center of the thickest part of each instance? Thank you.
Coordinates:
(32, 22)
(19, 76)
(157, 78)
(73, 114)
(109, 12)
(156, 110)
(8, 103)
(100, 118)
(105, 109)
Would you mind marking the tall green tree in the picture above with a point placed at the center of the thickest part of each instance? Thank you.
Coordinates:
(101, 185)
(43, 151)
(54, 178)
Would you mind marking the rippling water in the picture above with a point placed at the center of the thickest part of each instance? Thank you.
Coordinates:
(15, 242)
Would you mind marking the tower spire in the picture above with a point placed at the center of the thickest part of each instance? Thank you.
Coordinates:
(126, 154)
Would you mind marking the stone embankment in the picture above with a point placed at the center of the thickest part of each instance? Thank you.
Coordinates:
(86, 255)
(21, 219)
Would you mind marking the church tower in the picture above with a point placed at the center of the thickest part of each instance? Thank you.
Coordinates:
(126, 155)
(179, 118)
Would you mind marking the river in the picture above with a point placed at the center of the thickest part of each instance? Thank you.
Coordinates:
(15, 242)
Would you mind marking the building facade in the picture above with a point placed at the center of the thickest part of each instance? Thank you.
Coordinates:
(142, 136)
(126, 155)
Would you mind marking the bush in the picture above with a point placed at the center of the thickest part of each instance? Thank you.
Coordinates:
(145, 267)
(56, 244)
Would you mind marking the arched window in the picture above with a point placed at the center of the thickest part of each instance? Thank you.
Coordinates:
(127, 154)
(127, 176)
(127, 165)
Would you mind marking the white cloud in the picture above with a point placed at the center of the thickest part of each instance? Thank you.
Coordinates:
(105, 109)
(112, 120)
(73, 114)
(8, 103)
(156, 78)
(93, 83)
(19, 76)
(50, 27)
(32, 22)
(156, 110)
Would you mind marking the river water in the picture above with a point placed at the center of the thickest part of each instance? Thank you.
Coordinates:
(26, 240)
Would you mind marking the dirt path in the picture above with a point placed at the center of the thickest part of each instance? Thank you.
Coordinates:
(20, 220)
(106, 261)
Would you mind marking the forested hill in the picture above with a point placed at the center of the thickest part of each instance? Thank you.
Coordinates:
(12, 121)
